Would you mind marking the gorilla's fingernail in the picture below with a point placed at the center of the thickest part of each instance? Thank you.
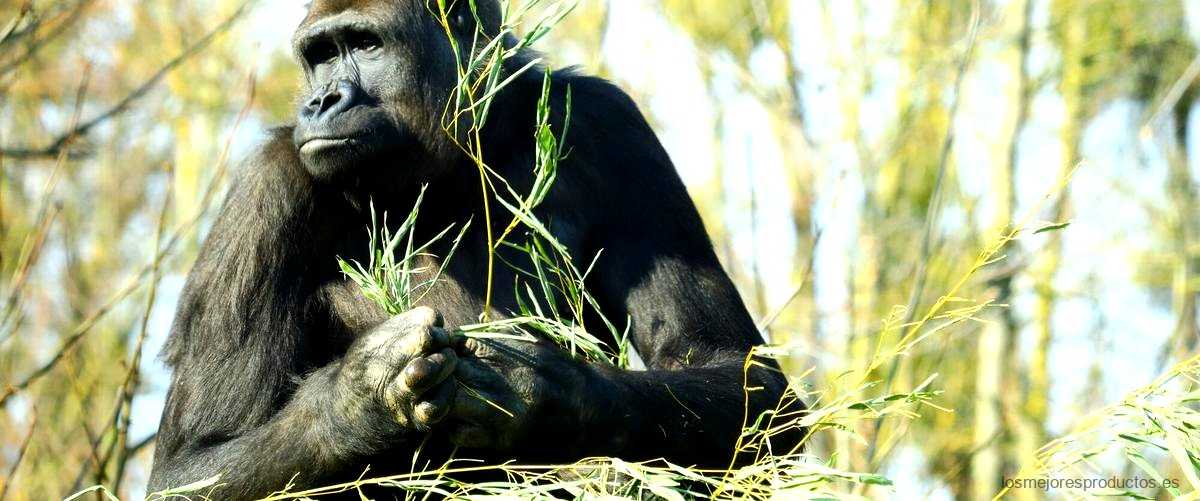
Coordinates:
(428, 413)
(417, 372)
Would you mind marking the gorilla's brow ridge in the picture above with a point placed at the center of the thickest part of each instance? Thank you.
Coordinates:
(328, 27)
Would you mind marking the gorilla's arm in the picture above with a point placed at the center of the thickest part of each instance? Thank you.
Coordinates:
(307, 441)
(694, 334)
(233, 355)
(618, 192)
(255, 396)
(689, 323)
(689, 326)
(689, 407)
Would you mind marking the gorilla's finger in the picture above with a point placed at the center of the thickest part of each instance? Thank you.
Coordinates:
(394, 397)
(424, 340)
(423, 372)
(477, 374)
(473, 347)
(472, 403)
(477, 403)
(470, 436)
(458, 341)
(435, 406)
(503, 352)
(424, 315)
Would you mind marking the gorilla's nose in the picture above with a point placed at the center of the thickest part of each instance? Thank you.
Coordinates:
(332, 100)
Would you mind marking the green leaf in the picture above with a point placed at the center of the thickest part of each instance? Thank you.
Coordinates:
(874, 480)
(1052, 227)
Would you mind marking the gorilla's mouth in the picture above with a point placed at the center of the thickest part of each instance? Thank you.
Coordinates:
(316, 145)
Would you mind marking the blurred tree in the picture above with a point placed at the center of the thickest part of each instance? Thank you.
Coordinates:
(90, 125)
(728, 33)
(908, 191)
(579, 39)
(1167, 91)
(724, 32)
(1001, 337)
(999, 395)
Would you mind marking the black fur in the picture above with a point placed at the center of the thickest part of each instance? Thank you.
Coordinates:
(284, 372)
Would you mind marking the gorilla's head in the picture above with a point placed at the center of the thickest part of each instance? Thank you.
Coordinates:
(378, 74)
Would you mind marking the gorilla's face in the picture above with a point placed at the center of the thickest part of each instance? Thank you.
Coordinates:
(378, 75)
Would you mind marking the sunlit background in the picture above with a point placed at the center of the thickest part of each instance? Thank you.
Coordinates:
(850, 157)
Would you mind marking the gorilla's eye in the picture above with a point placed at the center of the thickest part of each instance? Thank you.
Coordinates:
(363, 41)
(320, 52)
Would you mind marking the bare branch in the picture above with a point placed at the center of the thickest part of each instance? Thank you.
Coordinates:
(36, 45)
(135, 282)
(933, 210)
(47, 211)
(769, 320)
(122, 419)
(13, 30)
(12, 470)
(64, 140)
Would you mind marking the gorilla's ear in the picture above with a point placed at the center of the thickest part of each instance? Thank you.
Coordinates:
(469, 14)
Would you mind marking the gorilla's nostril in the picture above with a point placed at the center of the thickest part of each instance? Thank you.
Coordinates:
(329, 101)
(333, 99)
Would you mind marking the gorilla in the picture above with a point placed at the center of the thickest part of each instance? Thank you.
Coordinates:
(285, 374)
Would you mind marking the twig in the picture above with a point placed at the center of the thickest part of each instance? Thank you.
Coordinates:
(11, 33)
(1173, 95)
(12, 470)
(24, 264)
(935, 201)
(46, 214)
(136, 280)
(141, 444)
(770, 319)
(36, 45)
(133, 372)
(84, 397)
(122, 408)
(931, 213)
(128, 452)
(63, 141)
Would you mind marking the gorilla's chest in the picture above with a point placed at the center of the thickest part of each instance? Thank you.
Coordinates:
(350, 308)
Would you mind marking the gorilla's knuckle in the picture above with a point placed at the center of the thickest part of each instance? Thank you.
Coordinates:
(421, 340)
(395, 398)
(444, 357)
(385, 394)
(423, 316)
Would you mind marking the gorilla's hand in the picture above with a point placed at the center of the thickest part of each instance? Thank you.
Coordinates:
(402, 369)
(512, 389)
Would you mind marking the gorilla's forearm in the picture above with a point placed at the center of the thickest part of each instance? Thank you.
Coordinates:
(314, 439)
(690, 416)
(693, 416)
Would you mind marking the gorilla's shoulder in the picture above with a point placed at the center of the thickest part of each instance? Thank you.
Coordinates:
(593, 90)
(278, 141)
(603, 114)
(275, 148)
(273, 159)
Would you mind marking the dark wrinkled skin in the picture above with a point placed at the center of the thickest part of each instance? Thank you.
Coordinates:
(284, 372)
